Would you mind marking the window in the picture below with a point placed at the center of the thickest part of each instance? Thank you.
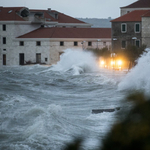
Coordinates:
(89, 43)
(45, 59)
(21, 59)
(4, 49)
(4, 27)
(123, 44)
(38, 43)
(56, 16)
(61, 43)
(4, 59)
(137, 28)
(38, 57)
(21, 43)
(123, 27)
(104, 43)
(75, 43)
(4, 40)
(137, 43)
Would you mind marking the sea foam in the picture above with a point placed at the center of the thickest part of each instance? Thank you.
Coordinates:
(138, 78)
(77, 61)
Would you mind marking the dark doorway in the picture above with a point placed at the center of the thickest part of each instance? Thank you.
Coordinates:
(38, 58)
(21, 59)
(4, 59)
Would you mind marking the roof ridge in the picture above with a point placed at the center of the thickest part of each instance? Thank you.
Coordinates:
(146, 13)
(129, 16)
(28, 32)
(139, 4)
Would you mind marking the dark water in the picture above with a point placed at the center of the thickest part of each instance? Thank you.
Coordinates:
(44, 107)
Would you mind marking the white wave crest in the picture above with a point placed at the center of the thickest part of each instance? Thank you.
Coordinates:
(138, 78)
(76, 61)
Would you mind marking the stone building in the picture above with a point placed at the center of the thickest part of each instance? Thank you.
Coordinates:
(47, 44)
(128, 30)
(28, 35)
(138, 5)
(132, 27)
(146, 29)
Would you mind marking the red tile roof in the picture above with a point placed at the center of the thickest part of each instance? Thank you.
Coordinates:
(147, 14)
(56, 32)
(9, 14)
(133, 16)
(139, 4)
(62, 18)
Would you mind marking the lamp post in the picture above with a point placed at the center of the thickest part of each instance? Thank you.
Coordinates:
(83, 44)
(113, 43)
(134, 38)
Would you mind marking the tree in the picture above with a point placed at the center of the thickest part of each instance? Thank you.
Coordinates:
(131, 53)
(104, 52)
(133, 131)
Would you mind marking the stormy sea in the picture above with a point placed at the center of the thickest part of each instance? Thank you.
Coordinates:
(46, 107)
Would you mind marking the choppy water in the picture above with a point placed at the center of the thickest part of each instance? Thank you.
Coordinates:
(44, 107)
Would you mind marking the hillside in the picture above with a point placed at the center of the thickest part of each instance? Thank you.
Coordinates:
(98, 23)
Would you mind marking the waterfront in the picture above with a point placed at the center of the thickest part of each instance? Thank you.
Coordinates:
(44, 107)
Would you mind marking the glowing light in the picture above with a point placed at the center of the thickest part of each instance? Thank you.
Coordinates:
(119, 62)
(102, 62)
(112, 62)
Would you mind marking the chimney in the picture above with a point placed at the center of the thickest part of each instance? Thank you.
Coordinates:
(49, 9)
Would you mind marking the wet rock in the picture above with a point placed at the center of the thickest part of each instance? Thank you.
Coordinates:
(96, 111)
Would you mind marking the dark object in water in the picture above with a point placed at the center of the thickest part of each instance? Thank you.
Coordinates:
(96, 111)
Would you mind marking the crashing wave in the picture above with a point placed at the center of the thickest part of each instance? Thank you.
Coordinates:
(76, 61)
(138, 78)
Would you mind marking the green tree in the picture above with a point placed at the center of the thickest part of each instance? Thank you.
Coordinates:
(104, 52)
(131, 53)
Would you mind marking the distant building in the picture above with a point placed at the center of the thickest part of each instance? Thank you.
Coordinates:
(40, 36)
(128, 30)
(138, 5)
(50, 43)
(132, 27)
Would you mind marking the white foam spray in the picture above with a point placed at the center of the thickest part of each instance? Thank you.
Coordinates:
(139, 77)
(76, 61)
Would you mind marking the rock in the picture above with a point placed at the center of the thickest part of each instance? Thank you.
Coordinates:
(96, 111)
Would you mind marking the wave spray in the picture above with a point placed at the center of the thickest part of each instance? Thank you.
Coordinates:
(138, 78)
(76, 61)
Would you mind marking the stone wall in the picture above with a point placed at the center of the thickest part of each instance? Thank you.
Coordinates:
(12, 31)
(128, 36)
(146, 31)
(51, 49)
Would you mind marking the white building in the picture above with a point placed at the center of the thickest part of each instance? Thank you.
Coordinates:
(40, 36)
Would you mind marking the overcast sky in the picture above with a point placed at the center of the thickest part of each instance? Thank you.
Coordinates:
(75, 8)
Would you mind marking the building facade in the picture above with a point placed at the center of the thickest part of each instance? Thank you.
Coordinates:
(138, 5)
(132, 27)
(127, 30)
(146, 29)
(47, 44)
(40, 36)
